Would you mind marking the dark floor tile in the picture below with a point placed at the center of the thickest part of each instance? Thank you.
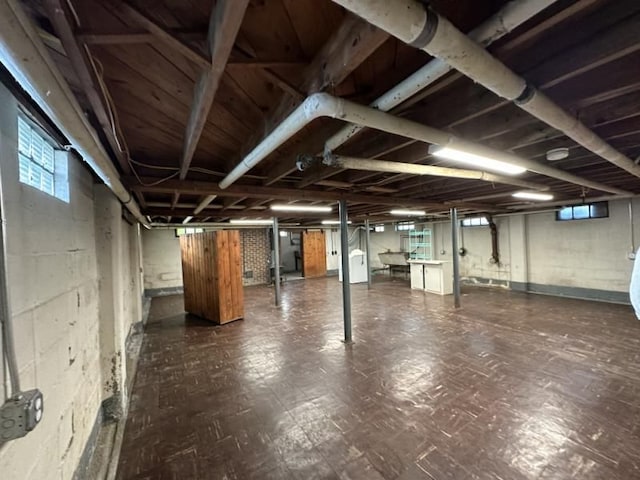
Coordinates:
(511, 386)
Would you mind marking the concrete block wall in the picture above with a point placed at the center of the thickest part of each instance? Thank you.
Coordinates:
(256, 256)
(581, 258)
(161, 262)
(55, 301)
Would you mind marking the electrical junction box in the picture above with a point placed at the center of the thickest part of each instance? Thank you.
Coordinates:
(20, 414)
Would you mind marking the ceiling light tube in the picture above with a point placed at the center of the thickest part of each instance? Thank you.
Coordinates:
(410, 213)
(249, 221)
(533, 196)
(187, 220)
(477, 161)
(302, 208)
(333, 222)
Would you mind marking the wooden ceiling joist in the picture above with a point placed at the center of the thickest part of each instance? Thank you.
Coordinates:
(135, 16)
(267, 193)
(224, 24)
(350, 45)
(61, 18)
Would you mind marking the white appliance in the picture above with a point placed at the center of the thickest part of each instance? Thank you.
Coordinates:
(357, 267)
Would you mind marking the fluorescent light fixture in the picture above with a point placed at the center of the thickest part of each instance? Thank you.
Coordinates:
(409, 213)
(187, 220)
(533, 195)
(333, 222)
(249, 221)
(478, 161)
(302, 208)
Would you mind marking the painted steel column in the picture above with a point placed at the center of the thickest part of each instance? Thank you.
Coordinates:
(346, 281)
(456, 257)
(368, 245)
(276, 259)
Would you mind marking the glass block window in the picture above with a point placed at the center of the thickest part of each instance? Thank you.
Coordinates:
(40, 166)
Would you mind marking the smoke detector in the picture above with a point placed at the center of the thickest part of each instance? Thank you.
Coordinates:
(556, 154)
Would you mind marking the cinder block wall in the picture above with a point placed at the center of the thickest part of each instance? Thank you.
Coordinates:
(256, 256)
(55, 297)
(162, 263)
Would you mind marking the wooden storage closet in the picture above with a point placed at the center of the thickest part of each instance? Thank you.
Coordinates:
(212, 275)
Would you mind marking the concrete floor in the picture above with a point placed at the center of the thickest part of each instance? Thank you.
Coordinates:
(512, 386)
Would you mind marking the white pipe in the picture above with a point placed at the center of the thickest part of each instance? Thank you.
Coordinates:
(325, 105)
(370, 165)
(24, 55)
(418, 26)
(511, 16)
(204, 203)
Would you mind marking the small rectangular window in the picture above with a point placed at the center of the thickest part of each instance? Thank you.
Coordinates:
(474, 222)
(188, 231)
(405, 226)
(583, 212)
(378, 228)
(39, 165)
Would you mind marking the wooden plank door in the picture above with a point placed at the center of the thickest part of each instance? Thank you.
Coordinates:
(314, 262)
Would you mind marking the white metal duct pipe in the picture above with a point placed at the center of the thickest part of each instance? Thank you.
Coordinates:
(325, 105)
(370, 165)
(420, 27)
(24, 55)
(204, 203)
(511, 16)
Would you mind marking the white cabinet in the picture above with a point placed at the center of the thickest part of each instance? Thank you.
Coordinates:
(433, 276)
(417, 276)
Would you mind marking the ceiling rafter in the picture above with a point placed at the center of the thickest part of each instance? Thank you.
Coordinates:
(267, 193)
(61, 18)
(352, 43)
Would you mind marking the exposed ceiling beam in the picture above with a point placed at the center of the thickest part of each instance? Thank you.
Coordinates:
(224, 24)
(161, 34)
(350, 45)
(267, 193)
(61, 18)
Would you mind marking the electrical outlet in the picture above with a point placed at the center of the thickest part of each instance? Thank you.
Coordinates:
(20, 414)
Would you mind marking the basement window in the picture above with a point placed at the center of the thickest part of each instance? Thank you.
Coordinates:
(405, 226)
(583, 212)
(474, 222)
(188, 231)
(378, 228)
(40, 165)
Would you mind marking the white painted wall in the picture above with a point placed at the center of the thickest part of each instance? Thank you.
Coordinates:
(55, 300)
(538, 250)
(161, 261)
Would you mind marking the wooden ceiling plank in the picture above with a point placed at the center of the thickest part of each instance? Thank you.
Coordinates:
(224, 25)
(136, 16)
(61, 17)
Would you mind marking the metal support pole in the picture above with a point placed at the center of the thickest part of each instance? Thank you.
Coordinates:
(8, 339)
(456, 257)
(276, 259)
(368, 245)
(346, 283)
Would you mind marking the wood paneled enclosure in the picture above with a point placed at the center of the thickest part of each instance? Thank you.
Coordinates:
(314, 262)
(212, 275)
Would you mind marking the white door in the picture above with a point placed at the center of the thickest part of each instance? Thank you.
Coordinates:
(417, 278)
(433, 279)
